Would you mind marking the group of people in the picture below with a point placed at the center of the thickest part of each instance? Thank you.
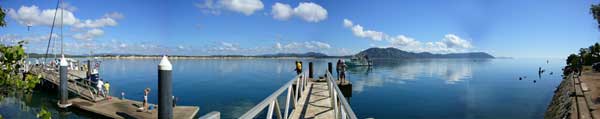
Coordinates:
(103, 89)
(340, 69)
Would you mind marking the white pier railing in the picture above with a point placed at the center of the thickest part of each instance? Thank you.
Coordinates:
(272, 102)
(341, 107)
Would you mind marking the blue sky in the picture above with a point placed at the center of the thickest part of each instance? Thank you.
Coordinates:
(515, 28)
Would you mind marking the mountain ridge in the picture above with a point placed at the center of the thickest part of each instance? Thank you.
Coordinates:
(391, 53)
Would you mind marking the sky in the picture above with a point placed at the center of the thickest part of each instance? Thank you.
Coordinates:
(507, 28)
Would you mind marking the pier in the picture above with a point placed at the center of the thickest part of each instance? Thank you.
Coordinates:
(306, 97)
(88, 99)
(76, 81)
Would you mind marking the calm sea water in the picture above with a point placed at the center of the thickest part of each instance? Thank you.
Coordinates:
(425, 88)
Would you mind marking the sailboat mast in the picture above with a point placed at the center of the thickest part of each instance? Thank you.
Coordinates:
(61, 29)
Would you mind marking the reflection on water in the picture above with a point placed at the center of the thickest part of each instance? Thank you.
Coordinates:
(452, 71)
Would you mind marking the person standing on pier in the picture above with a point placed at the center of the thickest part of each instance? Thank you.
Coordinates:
(338, 68)
(298, 67)
(107, 90)
(99, 85)
(146, 92)
(343, 71)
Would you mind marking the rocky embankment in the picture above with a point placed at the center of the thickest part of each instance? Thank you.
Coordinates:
(560, 106)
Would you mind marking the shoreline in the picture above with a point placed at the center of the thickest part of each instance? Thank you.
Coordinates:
(197, 57)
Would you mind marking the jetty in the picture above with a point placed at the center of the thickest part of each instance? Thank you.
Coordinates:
(587, 97)
(76, 81)
(306, 97)
(88, 99)
(577, 97)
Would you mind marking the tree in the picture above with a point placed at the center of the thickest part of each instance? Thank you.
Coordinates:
(573, 60)
(2, 22)
(595, 10)
(11, 60)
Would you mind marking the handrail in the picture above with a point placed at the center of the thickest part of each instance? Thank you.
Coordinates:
(77, 84)
(272, 101)
(346, 110)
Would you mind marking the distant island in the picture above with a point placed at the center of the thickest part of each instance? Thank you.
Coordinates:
(374, 53)
(393, 53)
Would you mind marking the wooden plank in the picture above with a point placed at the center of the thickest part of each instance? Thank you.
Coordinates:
(583, 107)
(316, 105)
(584, 87)
(121, 109)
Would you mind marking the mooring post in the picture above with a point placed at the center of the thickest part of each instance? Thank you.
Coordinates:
(330, 67)
(310, 70)
(89, 69)
(63, 84)
(165, 92)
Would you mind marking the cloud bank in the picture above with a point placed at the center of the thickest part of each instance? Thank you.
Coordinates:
(449, 44)
(246, 7)
(90, 28)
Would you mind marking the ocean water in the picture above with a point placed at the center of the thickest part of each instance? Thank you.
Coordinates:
(412, 89)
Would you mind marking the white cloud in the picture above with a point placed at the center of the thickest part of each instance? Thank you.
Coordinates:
(348, 23)
(246, 7)
(68, 6)
(454, 41)
(12, 39)
(278, 45)
(321, 45)
(402, 40)
(103, 22)
(302, 46)
(281, 11)
(225, 47)
(450, 43)
(310, 12)
(89, 35)
(358, 31)
(32, 15)
(307, 11)
(209, 7)
(114, 15)
(123, 45)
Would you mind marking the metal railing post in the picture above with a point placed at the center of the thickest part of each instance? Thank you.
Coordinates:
(287, 102)
(270, 112)
(277, 109)
(335, 105)
(296, 97)
(343, 113)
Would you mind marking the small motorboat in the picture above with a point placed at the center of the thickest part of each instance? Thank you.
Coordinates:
(359, 61)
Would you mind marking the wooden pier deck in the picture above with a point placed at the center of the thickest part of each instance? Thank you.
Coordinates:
(126, 109)
(114, 108)
(316, 104)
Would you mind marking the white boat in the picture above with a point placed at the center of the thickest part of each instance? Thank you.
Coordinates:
(359, 61)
